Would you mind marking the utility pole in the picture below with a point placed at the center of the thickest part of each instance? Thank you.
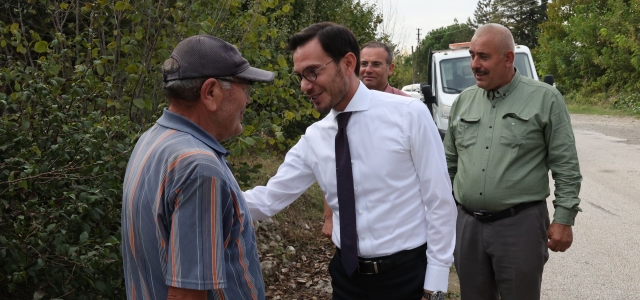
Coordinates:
(418, 56)
(413, 72)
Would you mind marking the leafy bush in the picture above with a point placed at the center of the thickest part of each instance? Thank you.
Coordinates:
(61, 174)
(591, 46)
(79, 81)
(628, 102)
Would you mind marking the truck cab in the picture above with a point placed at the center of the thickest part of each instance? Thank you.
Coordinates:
(450, 73)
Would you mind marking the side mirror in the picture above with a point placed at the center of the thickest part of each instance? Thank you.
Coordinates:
(548, 79)
(429, 98)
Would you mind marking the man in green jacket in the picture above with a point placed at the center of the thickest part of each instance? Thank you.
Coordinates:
(504, 136)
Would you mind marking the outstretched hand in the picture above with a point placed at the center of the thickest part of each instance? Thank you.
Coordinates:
(560, 237)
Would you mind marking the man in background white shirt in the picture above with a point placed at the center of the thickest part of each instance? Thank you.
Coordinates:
(404, 210)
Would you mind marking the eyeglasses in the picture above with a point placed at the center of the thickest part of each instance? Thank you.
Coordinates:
(248, 84)
(374, 65)
(309, 74)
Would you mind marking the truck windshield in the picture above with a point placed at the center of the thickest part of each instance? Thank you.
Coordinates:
(456, 72)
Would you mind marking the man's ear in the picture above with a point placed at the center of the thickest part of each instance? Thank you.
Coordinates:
(210, 94)
(391, 66)
(350, 62)
(509, 59)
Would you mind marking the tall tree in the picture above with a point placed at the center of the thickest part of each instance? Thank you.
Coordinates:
(592, 46)
(522, 17)
(390, 30)
(483, 13)
(439, 39)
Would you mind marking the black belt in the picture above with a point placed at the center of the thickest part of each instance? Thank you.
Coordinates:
(369, 266)
(492, 216)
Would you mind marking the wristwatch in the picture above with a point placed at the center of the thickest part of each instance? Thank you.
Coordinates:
(434, 296)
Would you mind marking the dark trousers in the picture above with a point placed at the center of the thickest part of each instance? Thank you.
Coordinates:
(405, 282)
(502, 259)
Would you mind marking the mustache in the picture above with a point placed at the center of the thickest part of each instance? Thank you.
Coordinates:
(478, 71)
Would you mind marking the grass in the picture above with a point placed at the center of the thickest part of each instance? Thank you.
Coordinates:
(611, 104)
(576, 108)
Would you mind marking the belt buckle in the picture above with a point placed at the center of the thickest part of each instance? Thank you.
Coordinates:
(375, 267)
(481, 214)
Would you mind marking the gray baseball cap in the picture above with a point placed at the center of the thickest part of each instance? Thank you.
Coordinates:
(203, 56)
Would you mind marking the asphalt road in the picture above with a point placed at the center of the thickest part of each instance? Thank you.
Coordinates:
(604, 260)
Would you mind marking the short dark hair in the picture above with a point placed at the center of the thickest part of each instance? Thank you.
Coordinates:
(336, 40)
(376, 44)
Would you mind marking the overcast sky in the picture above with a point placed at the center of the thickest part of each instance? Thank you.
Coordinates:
(425, 14)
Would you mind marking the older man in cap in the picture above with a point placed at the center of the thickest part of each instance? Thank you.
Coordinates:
(186, 230)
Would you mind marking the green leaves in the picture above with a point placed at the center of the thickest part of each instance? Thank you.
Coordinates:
(591, 46)
(76, 93)
(83, 237)
(120, 5)
(282, 62)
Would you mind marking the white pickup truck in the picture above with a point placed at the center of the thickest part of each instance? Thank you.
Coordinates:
(450, 73)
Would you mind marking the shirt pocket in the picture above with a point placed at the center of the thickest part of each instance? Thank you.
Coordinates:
(467, 132)
(513, 130)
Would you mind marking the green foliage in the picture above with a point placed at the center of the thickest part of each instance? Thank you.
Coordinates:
(629, 102)
(485, 10)
(79, 81)
(592, 47)
(439, 39)
(60, 184)
(402, 73)
(521, 17)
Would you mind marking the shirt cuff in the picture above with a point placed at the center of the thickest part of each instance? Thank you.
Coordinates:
(565, 216)
(436, 278)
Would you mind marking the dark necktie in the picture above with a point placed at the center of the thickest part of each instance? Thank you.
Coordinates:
(346, 197)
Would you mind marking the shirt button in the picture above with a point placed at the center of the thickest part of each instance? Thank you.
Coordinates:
(482, 170)
(490, 126)
(356, 188)
(353, 162)
(487, 147)
(480, 194)
(360, 212)
(364, 237)
(348, 134)
(494, 106)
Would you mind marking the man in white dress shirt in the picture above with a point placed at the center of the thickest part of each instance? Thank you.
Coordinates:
(404, 211)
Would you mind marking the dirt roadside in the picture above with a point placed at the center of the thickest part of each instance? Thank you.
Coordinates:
(621, 127)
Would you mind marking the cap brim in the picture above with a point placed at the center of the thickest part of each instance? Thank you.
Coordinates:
(255, 74)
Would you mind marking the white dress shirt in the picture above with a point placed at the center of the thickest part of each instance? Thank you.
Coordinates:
(402, 188)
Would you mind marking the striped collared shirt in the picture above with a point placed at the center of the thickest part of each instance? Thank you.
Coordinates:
(184, 219)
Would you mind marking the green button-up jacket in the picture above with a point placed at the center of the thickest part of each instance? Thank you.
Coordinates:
(500, 146)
